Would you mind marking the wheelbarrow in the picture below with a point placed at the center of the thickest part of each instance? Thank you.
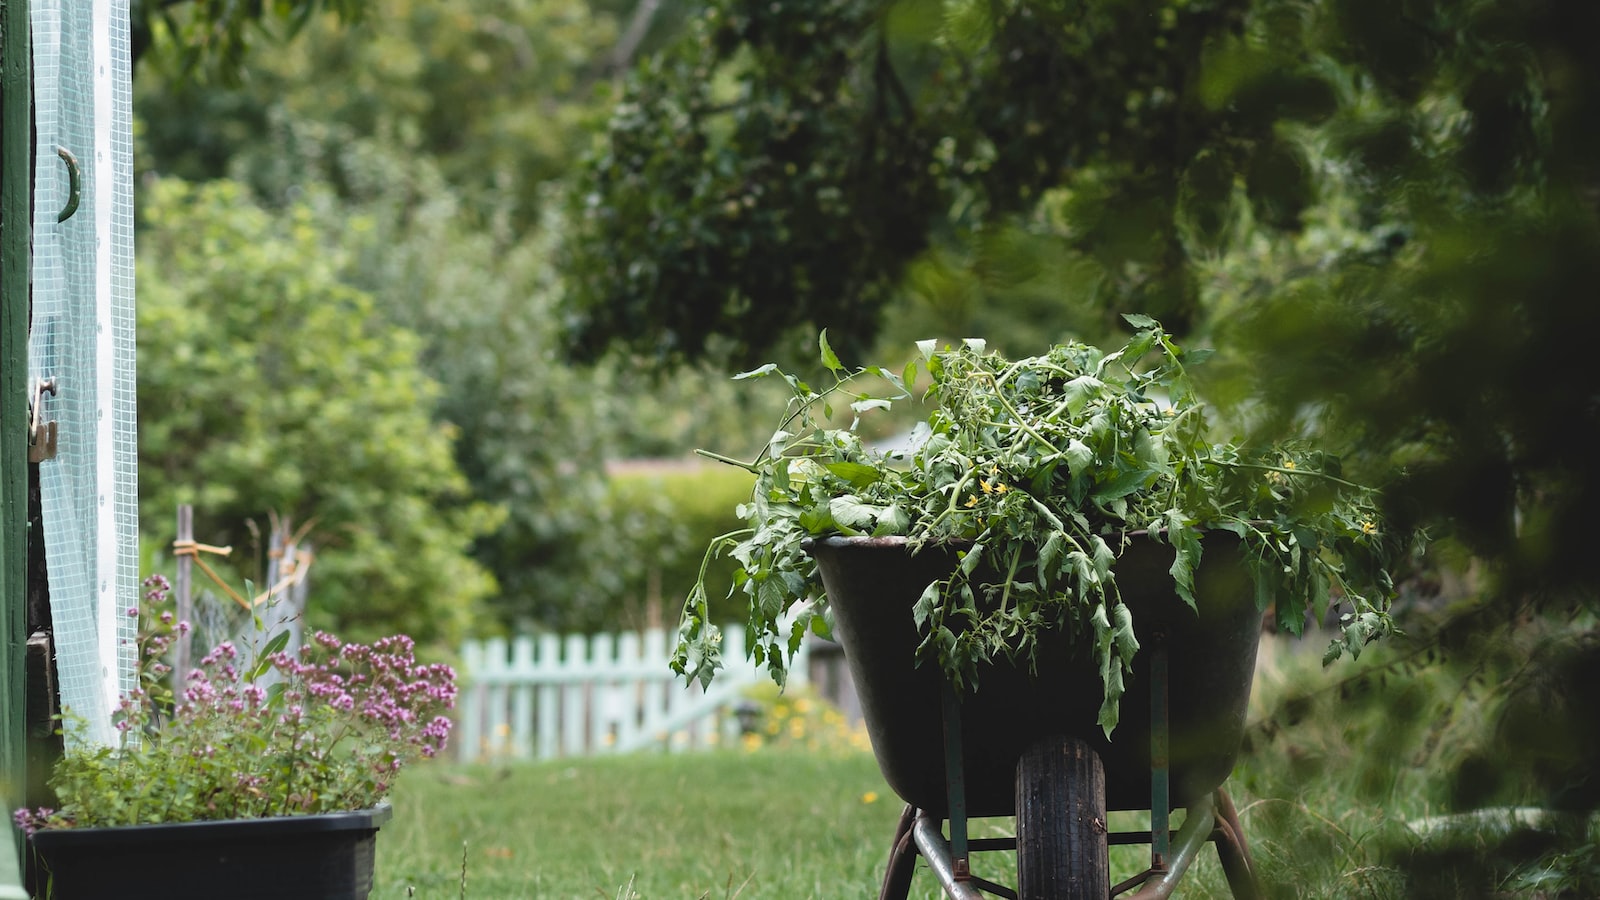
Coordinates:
(1027, 743)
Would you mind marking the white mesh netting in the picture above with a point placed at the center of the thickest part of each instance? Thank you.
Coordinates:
(83, 337)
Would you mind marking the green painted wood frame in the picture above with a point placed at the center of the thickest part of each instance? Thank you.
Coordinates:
(16, 130)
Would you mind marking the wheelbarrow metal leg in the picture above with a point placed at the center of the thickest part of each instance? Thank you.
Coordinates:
(955, 782)
(1196, 831)
(902, 859)
(1234, 852)
(1160, 802)
(937, 851)
(1228, 813)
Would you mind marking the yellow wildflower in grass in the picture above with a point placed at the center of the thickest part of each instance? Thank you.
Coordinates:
(1001, 488)
(1369, 527)
(869, 797)
(750, 741)
(987, 488)
(798, 717)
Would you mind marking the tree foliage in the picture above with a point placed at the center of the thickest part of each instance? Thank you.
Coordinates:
(417, 143)
(210, 40)
(1470, 159)
(269, 385)
(495, 95)
(783, 165)
(534, 433)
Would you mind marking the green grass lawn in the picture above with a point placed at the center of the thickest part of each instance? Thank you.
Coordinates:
(771, 823)
(1324, 786)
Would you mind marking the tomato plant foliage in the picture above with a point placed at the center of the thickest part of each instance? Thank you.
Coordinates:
(1043, 471)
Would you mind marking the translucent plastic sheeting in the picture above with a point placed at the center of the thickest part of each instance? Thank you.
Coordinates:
(83, 338)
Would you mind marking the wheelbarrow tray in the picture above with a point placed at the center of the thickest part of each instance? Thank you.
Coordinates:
(872, 584)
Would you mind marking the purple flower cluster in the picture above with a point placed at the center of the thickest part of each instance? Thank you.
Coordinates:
(380, 687)
(247, 735)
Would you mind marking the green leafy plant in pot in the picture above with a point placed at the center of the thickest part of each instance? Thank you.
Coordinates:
(260, 773)
(1038, 475)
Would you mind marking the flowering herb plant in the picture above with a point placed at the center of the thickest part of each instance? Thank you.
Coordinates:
(1043, 471)
(250, 734)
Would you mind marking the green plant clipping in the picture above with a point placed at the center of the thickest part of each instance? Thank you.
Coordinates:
(1041, 471)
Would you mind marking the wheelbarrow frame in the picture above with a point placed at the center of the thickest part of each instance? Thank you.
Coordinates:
(1195, 666)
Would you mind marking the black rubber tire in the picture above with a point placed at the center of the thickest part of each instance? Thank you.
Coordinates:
(1061, 823)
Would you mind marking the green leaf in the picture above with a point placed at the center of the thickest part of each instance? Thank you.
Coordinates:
(1079, 391)
(1079, 456)
(923, 608)
(1121, 486)
(893, 520)
(1291, 612)
(861, 406)
(970, 558)
(817, 520)
(1126, 644)
(1138, 347)
(1111, 706)
(1140, 321)
(1332, 654)
(850, 512)
(821, 627)
(829, 358)
(262, 661)
(1103, 558)
(797, 636)
(1049, 553)
(1185, 560)
(927, 349)
(761, 372)
(859, 475)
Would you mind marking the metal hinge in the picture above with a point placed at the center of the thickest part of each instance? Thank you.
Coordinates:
(41, 434)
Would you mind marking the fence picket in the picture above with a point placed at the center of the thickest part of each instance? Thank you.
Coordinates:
(552, 695)
(549, 696)
(522, 701)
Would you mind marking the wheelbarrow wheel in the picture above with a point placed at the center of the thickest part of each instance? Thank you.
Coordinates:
(1061, 822)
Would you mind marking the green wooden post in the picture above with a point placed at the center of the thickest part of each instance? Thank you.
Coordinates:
(16, 179)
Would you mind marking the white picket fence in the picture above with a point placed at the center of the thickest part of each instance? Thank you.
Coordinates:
(550, 696)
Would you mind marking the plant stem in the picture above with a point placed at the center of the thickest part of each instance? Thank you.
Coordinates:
(748, 467)
(1021, 422)
(1285, 470)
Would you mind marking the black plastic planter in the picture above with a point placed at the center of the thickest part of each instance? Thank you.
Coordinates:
(318, 857)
